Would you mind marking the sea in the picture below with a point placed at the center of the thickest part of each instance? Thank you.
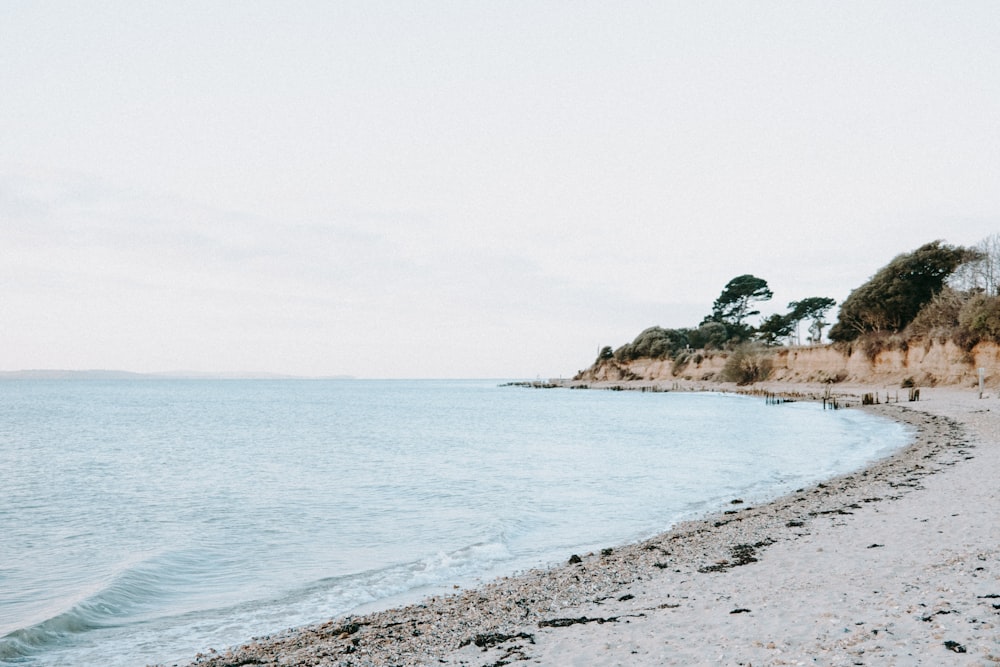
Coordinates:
(145, 521)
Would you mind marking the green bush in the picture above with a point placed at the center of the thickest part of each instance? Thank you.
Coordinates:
(654, 342)
(746, 365)
(940, 317)
(681, 361)
(709, 336)
(980, 317)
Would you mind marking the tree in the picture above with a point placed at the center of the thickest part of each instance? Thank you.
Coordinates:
(816, 330)
(776, 327)
(982, 273)
(733, 305)
(895, 294)
(812, 308)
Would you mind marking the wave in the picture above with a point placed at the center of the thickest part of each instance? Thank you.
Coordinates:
(347, 593)
(132, 595)
(140, 597)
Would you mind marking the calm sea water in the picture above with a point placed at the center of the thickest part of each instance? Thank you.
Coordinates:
(145, 521)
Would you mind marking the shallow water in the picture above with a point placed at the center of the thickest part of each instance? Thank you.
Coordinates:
(145, 521)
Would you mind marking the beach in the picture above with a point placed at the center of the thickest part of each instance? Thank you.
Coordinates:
(897, 564)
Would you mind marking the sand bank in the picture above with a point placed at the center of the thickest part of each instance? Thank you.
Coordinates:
(898, 564)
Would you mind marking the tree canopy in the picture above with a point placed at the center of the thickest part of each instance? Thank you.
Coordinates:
(776, 327)
(812, 308)
(733, 305)
(891, 299)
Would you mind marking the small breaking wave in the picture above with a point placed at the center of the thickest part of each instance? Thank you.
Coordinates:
(134, 594)
(337, 595)
(141, 595)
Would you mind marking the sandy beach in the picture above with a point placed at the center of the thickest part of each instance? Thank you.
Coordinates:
(898, 564)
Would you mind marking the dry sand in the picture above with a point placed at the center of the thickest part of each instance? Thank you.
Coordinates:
(898, 564)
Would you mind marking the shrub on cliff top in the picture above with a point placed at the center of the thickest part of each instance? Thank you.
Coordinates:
(709, 336)
(939, 318)
(654, 342)
(746, 365)
(981, 318)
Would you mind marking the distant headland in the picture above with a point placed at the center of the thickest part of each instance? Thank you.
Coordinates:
(100, 374)
(930, 316)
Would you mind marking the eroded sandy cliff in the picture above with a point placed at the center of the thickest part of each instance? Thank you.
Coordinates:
(927, 363)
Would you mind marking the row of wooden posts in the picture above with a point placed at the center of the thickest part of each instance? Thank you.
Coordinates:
(832, 402)
(873, 398)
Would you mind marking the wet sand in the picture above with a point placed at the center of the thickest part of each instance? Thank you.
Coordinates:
(898, 564)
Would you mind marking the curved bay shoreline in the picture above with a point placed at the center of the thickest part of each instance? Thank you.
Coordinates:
(898, 563)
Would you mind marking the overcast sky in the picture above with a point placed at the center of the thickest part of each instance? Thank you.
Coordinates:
(465, 189)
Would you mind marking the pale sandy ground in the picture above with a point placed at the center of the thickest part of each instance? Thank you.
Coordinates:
(895, 565)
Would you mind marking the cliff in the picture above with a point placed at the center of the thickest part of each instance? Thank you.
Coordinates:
(926, 363)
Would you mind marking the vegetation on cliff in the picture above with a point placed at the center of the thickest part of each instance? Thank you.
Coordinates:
(937, 292)
(894, 296)
(726, 326)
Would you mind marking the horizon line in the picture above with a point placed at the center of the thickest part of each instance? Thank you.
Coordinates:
(118, 374)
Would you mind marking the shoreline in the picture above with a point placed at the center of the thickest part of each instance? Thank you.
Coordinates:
(839, 570)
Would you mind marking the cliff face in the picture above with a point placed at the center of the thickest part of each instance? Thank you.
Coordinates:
(927, 363)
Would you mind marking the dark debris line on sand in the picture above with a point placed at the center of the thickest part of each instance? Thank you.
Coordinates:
(506, 609)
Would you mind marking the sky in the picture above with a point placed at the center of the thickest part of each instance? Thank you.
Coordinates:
(465, 189)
